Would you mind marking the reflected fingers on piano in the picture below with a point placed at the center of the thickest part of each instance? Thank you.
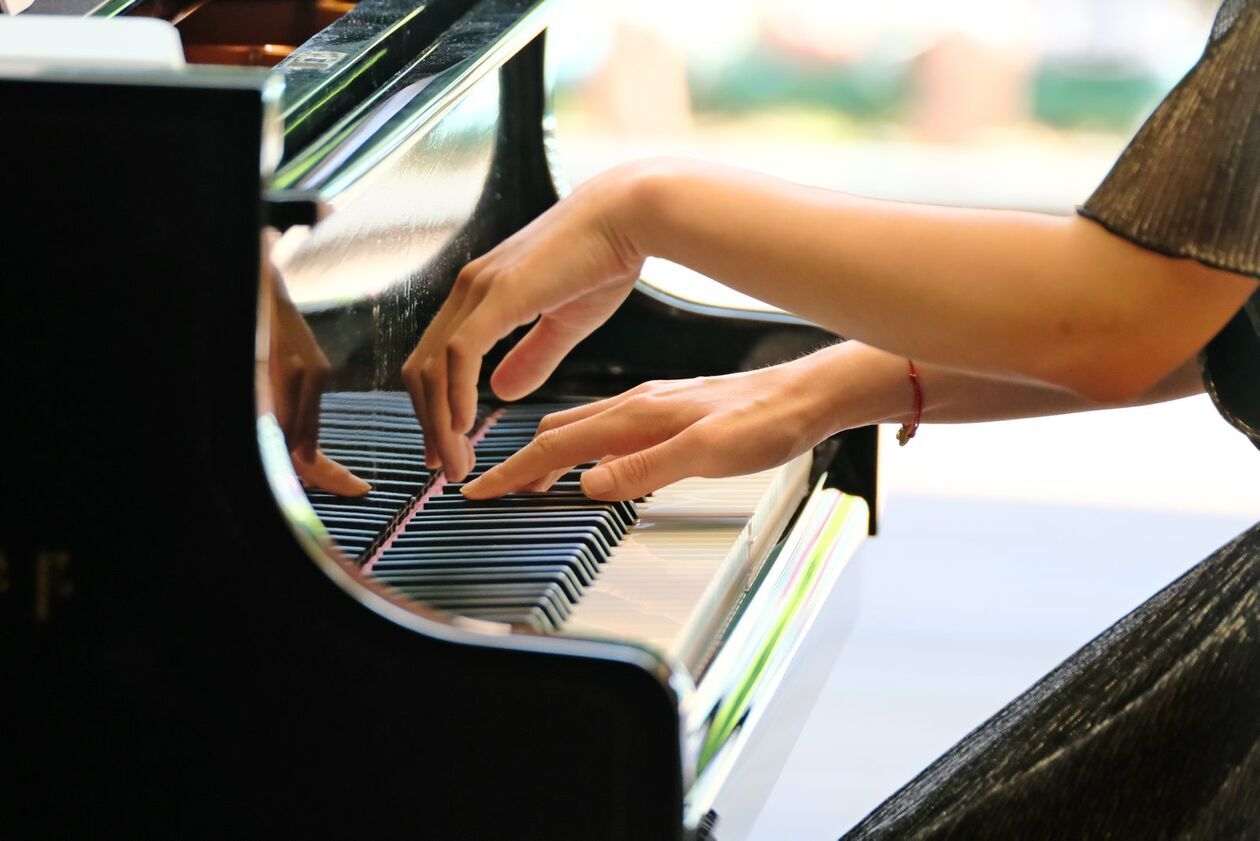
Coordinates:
(323, 473)
(298, 370)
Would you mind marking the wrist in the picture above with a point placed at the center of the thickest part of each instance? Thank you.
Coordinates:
(850, 384)
(642, 194)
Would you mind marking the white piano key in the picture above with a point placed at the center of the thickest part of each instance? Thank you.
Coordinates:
(673, 581)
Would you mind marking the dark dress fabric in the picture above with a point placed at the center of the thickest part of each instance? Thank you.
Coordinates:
(1188, 185)
(1152, 730)
(1149, 731)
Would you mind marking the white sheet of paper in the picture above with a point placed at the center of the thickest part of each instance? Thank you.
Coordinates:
(44, 41)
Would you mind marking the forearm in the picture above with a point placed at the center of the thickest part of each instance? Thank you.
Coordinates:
(1054, 299)
(852, 384)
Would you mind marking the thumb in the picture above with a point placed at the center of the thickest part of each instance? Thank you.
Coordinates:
(639, 473)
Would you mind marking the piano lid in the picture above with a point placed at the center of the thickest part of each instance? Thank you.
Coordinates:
(331, 53)
(475, 45)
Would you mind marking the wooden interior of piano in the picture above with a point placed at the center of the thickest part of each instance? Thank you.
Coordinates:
(258, 33)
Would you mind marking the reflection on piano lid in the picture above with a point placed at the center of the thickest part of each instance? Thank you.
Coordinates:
(333, 54)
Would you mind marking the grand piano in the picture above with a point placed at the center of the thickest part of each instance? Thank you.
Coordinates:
(195, 645)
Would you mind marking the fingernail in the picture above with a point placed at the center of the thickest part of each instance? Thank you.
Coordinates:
(471, 487)
(597, 482)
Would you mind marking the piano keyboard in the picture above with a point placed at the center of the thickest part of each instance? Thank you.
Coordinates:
(665, 571)
(376, 436)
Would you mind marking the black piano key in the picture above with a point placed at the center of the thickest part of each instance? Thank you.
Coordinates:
(428, 522)
(373, 441)
(371, 526)
(363, 509)
(523, 558)
(580, 535)
(578, 564)
(375, 498)
(526, 512)
(367, 456)
(575, 558)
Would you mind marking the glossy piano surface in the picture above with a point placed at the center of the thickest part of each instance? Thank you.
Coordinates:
(239, 637)
(332, 54)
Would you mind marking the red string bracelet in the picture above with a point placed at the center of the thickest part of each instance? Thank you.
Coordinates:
(908, 430)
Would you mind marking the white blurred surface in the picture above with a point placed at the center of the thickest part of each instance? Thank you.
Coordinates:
(1004, 548)
(1179, 457)
(35, 41)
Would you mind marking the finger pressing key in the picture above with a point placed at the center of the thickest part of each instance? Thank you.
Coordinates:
(482, 324)
(576, 443)
(435, 336)
(452, 447)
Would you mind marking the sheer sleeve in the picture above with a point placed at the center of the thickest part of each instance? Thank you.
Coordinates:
(1188, 184)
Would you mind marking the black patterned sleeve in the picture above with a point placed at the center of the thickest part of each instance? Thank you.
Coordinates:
(1188, 184)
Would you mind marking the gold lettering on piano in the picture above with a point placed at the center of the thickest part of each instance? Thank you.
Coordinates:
(53, 584)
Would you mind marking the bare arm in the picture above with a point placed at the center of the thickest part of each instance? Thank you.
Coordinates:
(955, 396)
(1054, 299)
(1029, 298)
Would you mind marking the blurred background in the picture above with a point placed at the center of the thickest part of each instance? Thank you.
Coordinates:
(1024, 102)
(1004, 547)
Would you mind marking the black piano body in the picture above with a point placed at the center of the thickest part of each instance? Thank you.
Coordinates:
(184, 652)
